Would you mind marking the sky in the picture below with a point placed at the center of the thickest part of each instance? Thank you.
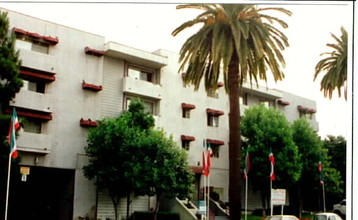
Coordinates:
(148, 27)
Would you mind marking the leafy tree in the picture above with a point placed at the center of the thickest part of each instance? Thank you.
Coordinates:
(336, 152)
(161, 168)
(267, 129)
(335, 66)
(127, 155)
(310, 147)
(10, 83)
(109, 149)
(241, 41)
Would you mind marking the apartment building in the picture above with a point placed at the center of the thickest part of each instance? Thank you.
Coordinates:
(74, 78)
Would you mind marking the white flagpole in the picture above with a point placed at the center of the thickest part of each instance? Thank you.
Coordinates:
(271, 197)
(246, 188)
(8, 186)
(207, 199)
(324, 199)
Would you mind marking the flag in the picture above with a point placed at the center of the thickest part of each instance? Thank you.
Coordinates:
(247, 163)
(320, 172)
(272, 160)
(14, 126)
(207, 153)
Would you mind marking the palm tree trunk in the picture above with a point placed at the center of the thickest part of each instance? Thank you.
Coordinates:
(234, 140)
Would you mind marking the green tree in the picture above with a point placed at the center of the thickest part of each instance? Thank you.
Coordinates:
(161, 168)
(336, 151)
(109, 150)
(127, 155)
(310, 147)
(335, 66)
(10, 83)
(243, 42)
(264, 129)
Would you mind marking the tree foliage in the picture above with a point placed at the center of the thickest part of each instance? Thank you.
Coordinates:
(335, 66)
(127, 155)
(240, 42)
(10, 83)
(265, 129)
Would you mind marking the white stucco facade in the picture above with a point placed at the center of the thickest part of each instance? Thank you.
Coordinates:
(61, 140)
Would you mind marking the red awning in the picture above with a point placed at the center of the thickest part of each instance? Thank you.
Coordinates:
(31, 114)
(91, 87)
(306, 109)
(197, 169)
(220, 84)
(88, 123)
(187, 106)
(214, 112)
(187, 138)
(94, 52)
(29, 73)
(282, 102)
(216, 142)
(35, 36)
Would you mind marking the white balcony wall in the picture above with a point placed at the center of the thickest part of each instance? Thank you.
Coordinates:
(142, 88)
(32, 142)
(33, 100)
(38, 61)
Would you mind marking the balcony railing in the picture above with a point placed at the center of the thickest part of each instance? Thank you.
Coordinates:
(33, 142)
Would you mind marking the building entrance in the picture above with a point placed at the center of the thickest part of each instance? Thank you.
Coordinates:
(47, 194)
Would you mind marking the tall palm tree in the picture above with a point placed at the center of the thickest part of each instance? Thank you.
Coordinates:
(335, 66)
(242, 43)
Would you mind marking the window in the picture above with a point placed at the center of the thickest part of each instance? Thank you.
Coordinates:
(34, 86)
(267, 103)
(150, 105)
(186, 113)
(213, 120)
(142, 74)
(28, 44)
(215, 148)
(306, 115)
(244, 99)
(32, 126)
(185, 144)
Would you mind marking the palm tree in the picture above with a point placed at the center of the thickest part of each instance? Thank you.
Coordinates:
(242, 43)
(335, 66)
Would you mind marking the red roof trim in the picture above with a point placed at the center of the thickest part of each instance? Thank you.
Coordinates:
(94, 52)
(31, 114)
(214, 112)
(187, 106)
(197, 169)
(220, 84)
(91, 87)
(216, 142)
(26, 72)
(306, 109)
(187, 138)
(282, 102)
(48, 39)
(88, 123)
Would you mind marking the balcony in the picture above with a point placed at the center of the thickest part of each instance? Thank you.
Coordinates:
(32, 142)
(33, 100)
(134, 55)
(142, 88)
(39, 61)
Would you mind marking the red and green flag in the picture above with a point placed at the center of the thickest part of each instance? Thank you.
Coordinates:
(272, 162)
(320, 169)
(247, 163)
(14, 126)
(207, 154)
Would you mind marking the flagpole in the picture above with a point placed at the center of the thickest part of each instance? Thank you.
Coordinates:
(246, 188)
(7, 187)
(208, 198)
(271, 197)
(324, 199)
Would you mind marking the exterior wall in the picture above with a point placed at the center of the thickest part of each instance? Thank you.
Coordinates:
(67, 102)
(66, 99)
